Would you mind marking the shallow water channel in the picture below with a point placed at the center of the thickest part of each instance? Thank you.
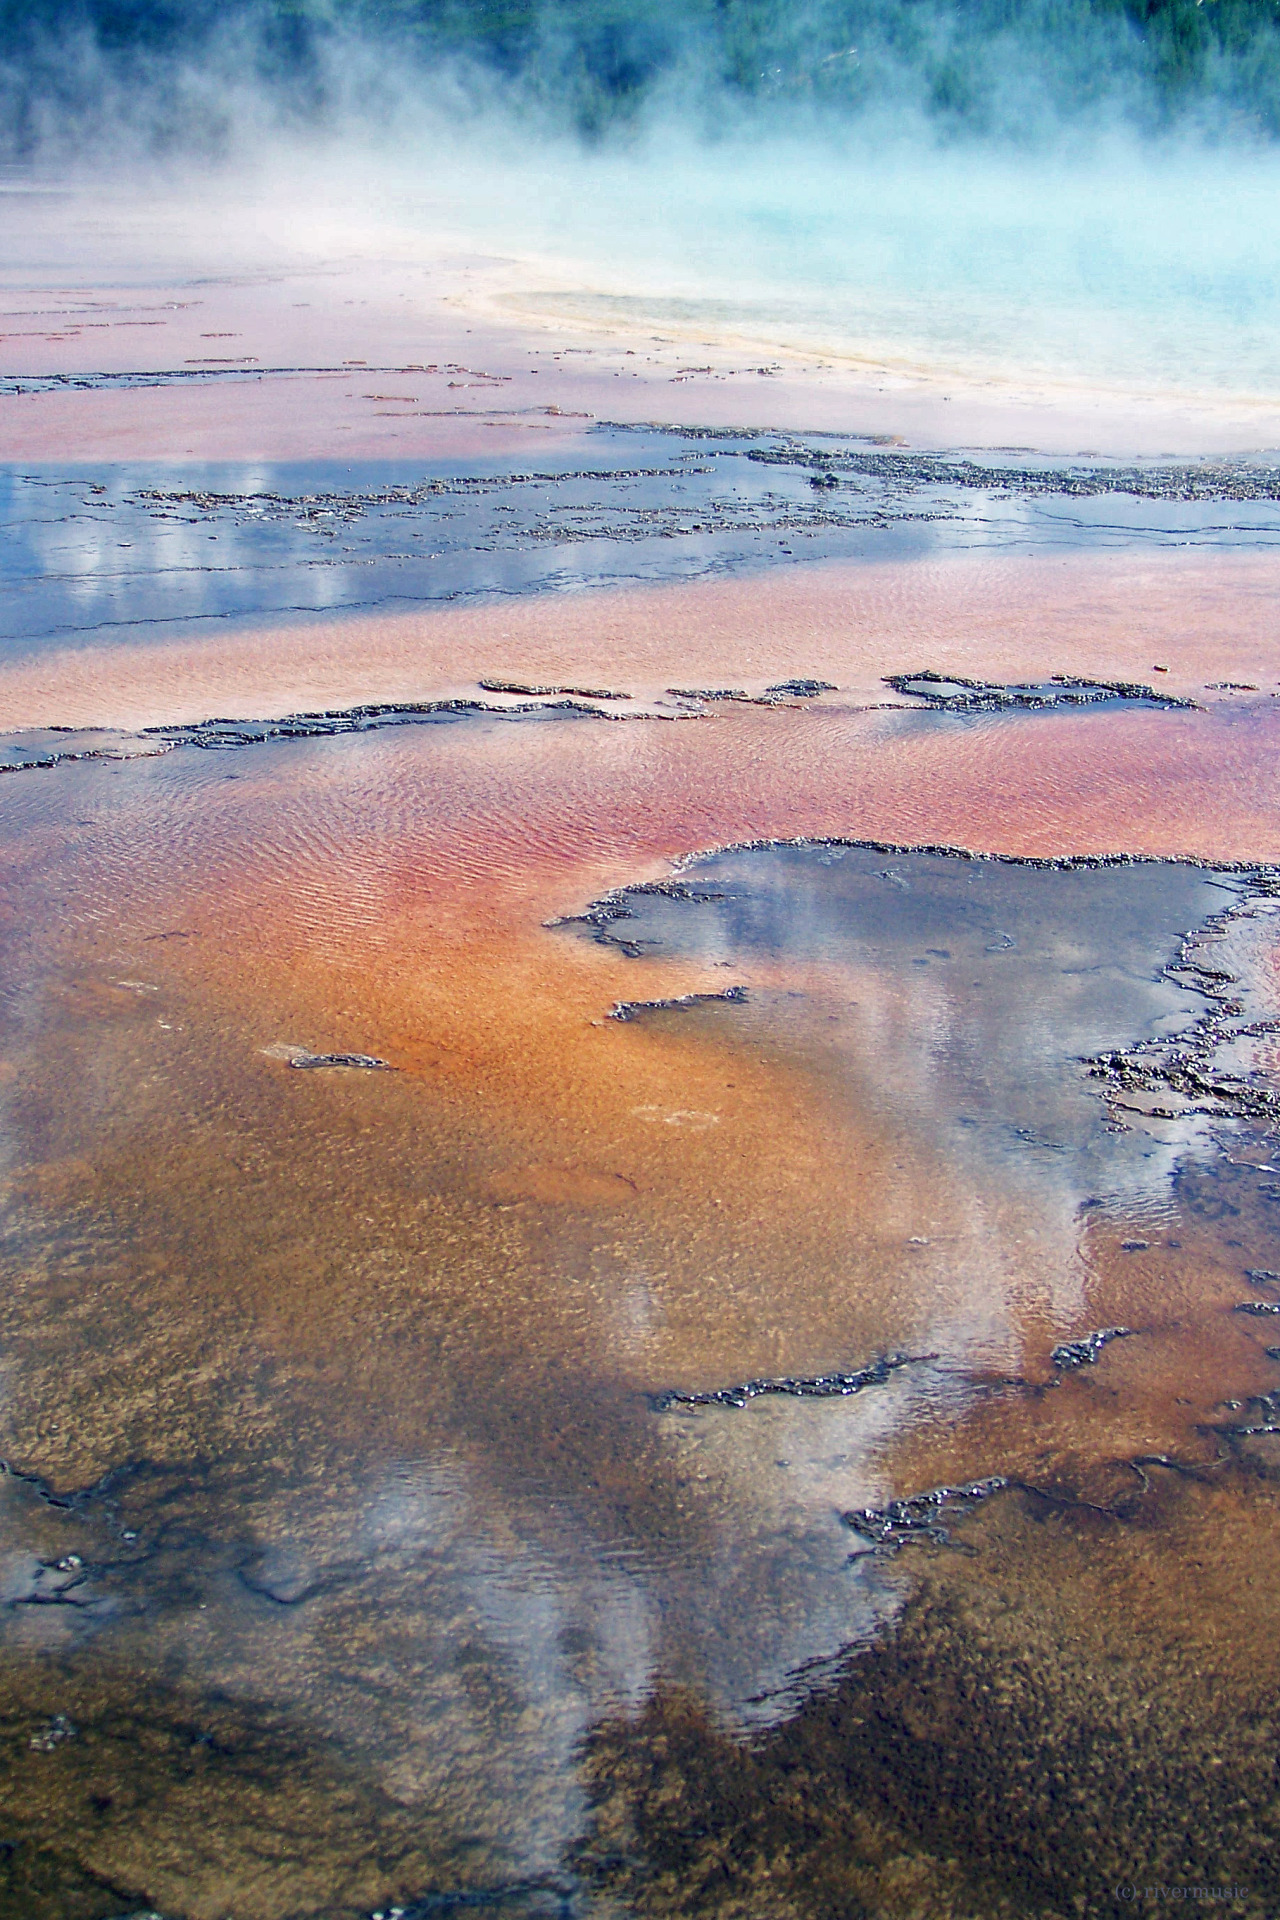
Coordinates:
(89, 553)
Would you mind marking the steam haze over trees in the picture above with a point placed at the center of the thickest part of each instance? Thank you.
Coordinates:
(164, 70)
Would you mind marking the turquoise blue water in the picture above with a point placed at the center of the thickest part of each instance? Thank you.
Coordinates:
(1147, 268)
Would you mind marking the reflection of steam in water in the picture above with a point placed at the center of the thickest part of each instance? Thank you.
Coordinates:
(461, 1644)
(88, 560)
(381, 1453)
(965, 994)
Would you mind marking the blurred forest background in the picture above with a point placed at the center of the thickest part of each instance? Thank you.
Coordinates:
(164, 71)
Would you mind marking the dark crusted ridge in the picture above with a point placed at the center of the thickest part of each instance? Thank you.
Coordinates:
(241, 367)
(825, 1386)
(779, 694)
(333, 503)
(1182, 1067)
(519, 686)
(1264, 1417)
(18, 383)
(1056, 862)
(992, 696)
(247, 368)
(1084, 1352)
(369, 1061)
(1239, 480)
(818, 1386)
(922, 1516)
(601, 915)
(629, 1009)
(221, 734)
(548, 510)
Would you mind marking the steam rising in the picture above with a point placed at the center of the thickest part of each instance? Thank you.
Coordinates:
(1002, 193)
(1006, 68)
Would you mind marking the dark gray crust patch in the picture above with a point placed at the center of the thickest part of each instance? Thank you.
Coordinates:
(818, 1386)
(955, 693)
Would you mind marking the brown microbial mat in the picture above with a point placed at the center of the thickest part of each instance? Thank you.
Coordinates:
(551, 1373)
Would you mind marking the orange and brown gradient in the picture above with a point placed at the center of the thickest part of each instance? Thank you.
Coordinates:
(486, 1259)
(387, 896)
(329, 1393)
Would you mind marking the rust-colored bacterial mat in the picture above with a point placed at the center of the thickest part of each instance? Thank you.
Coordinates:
(644, 1319)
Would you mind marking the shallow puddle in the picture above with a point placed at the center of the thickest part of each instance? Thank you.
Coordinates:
(471, 1473)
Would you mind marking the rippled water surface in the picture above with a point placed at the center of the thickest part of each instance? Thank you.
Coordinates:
(373, 1531)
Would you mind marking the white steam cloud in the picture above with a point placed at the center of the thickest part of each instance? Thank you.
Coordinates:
(867, 219)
